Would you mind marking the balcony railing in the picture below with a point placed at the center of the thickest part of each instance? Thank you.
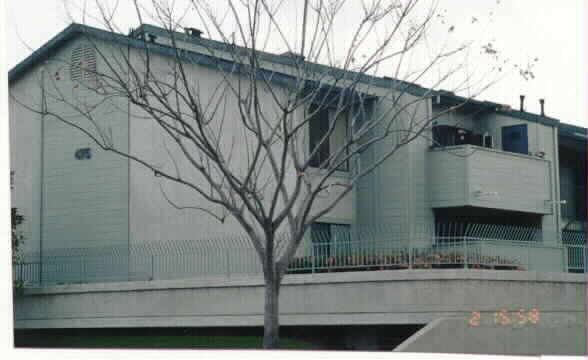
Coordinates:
(322, 252)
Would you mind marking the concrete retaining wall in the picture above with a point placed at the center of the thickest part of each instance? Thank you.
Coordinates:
(384, 297)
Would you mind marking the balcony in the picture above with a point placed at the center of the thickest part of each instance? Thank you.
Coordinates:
(469, 175)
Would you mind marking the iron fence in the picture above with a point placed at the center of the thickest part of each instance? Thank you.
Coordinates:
(327, 250)
(574, 242)
(576, 258)
(464, 252)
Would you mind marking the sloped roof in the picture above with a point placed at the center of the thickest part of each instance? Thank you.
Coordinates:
(79, 30)
(445, 97)
(133, 40)
(450, 99)
(575, 133)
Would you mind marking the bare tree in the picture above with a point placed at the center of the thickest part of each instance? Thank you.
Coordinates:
(271, 173)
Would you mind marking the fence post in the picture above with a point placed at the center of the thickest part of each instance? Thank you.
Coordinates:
(83, 263)
(465, 253)
(410, 254)
(228, 263)
(565, 258)
(152, 267)
(312, 257)
(129, 264)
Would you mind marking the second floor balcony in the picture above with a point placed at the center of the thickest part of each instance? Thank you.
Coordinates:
(469, 175)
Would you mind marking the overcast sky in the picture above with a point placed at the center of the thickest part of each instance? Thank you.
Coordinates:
(552, 31)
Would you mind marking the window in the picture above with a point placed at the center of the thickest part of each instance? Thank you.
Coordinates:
(319, 126)
(515, 139)
(330, 239)
(446, 135)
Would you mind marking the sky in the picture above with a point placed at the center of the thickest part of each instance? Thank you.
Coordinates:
(522, 30)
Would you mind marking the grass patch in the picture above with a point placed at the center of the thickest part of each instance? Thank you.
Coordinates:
(155, 342)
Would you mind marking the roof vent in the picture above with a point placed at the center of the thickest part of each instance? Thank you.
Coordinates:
(193, 32)
(83, 65)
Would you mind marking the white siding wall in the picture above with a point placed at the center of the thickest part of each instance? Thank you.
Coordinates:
(541, 138)
(25, 156)
(84, 201)
(421, 174)
(153, 218)
(392, 201)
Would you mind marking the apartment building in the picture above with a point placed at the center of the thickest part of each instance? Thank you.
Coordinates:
(480, 165)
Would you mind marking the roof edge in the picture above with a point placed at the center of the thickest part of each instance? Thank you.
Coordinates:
(42, 53)
(448, 97)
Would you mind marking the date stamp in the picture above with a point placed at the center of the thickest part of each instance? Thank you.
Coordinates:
(505, 317)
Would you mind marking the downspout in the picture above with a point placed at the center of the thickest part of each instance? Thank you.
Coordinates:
(427, 169)
(129, 173)
(557, 211)
(42, 195)
(411, 197)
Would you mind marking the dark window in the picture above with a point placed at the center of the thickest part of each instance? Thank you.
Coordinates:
(446, 135)
(488, 141)
(325, 147)
(515, 139)
(319, 127)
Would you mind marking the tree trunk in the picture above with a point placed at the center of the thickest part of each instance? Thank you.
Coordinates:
(271, 322)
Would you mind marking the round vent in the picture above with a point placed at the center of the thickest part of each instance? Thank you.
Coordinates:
(83, 65)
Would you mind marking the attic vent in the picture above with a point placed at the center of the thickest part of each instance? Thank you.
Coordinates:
(83, 65)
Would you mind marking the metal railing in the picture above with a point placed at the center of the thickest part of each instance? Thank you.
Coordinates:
(576, 258)
(575, 245)
(323, 251)
(467, 252)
